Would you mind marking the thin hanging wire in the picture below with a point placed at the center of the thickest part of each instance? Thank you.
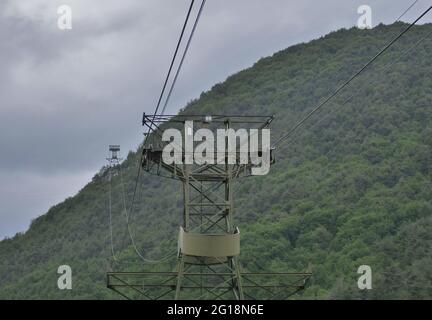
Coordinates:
(132, 238)
(110, 214)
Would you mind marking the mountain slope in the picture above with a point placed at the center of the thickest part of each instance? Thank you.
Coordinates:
(352, 187)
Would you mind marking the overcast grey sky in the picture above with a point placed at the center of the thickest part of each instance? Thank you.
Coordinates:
(67, 94)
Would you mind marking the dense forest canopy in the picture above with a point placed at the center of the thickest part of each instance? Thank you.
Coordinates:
(352, 187)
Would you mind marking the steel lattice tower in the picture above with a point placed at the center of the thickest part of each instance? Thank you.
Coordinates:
(209, 242)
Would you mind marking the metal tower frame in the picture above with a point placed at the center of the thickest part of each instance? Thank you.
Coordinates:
(209, 242)
(114, 156)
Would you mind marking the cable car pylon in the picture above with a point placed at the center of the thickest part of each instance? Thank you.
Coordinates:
(208, 264)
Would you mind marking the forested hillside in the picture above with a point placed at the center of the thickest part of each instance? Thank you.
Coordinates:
(351, 187)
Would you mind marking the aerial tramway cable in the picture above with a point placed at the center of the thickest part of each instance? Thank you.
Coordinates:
(345, 84)
(382, 70)
(147, 260)
(160, 98)
(183, 56)
(131, 207)
(406, 11)
(283, 137)
(110, 214)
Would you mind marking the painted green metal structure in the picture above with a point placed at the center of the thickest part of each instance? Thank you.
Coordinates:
(209, 242)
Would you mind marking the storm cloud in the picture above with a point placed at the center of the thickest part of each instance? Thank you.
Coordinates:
(65, 95)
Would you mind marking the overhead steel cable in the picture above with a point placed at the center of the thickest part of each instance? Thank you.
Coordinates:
(161, 96)
(131, 207)
(381, 70)
(184, 55)
(406, 11)
(110, 215)
(345, 84)
(172, 63)
(147, 260)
